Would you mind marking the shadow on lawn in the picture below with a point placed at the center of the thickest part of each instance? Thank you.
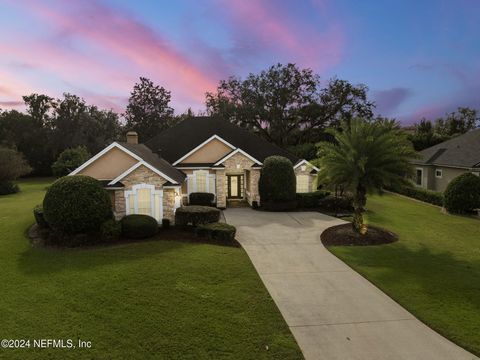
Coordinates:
(47, 260)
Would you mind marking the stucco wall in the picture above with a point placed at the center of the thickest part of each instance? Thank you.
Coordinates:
(110, 165)
(209, 153)
(431, 182)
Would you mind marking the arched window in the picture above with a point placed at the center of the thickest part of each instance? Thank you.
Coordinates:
(144, 199)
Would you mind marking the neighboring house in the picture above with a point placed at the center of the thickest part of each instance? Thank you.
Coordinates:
(202, 154)
(439, 164)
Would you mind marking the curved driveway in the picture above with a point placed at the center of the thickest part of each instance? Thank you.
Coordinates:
(333, 312)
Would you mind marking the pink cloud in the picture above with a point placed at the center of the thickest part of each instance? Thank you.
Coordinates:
(272, 27)
(115, 49)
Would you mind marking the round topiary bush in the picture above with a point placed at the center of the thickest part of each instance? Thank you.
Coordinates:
(76, 204)
(463, 194)
(138, 226)
(277, 184)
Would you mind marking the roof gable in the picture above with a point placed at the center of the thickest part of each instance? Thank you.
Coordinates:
(172, 144)
(143, 156)
(207, 152)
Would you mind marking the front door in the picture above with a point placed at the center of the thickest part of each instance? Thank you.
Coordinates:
(234, 186)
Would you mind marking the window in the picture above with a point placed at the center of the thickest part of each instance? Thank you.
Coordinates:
(438, 173)
(201, 181)
(201, 177)
(302, 183)
(419, 177)
(144, 199)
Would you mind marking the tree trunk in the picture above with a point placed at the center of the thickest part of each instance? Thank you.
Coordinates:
(359, 202)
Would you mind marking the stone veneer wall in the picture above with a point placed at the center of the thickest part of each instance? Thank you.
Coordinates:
(144, 175)
(231, 169)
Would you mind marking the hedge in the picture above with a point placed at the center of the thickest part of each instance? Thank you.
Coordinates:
(219, 232)
(336, 203)
(8, 187)
(76, 204)
(201, 198)
(196, 215)
(428, 196)
(39, 217)
(463, 194)
(138, 226)
(310, 200)
(110, 231)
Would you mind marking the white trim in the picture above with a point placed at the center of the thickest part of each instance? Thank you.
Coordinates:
(137, 165)
(436, 173)
(153, 194)
(238, 150)
(307, 163)
(201, 145)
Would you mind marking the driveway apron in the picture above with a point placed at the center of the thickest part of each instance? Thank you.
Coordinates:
(333, 312)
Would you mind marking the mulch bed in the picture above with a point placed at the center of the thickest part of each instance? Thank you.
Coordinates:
(344, 235)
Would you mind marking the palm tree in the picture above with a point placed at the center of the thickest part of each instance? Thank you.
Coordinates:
(366, 157)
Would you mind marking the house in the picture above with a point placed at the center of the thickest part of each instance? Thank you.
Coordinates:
(439, 164)
(201, 154)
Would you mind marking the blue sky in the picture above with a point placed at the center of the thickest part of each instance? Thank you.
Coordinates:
(419, 58)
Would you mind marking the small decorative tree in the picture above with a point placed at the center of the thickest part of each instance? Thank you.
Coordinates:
(463, 194)
(69, 160)
(365, 157)
(12, 166)
(277, 183)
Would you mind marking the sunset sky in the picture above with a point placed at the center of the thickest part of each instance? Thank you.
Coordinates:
(419, 58)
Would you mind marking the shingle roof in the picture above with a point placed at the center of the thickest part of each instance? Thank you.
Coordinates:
(175, 142)
(461, 151)
(156, 161)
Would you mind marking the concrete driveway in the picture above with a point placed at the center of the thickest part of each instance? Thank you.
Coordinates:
(333, 312)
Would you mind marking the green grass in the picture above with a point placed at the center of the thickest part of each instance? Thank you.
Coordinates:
(433, 270)
(146, 300)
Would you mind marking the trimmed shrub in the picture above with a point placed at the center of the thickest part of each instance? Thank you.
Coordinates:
(336, 203)
(428, 196)
(76, 204)
(110, 231)
(310, 200)
(39, 218)
(201, 198)
(138, 226)
(463, 194)
(165, 223)
(277, 181)
(8, 187)
(196, 215)
(219, 232)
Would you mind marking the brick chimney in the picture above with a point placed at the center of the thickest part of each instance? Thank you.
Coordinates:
(132, 137)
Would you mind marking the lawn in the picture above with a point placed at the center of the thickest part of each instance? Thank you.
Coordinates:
(146, 300)
(433, 270)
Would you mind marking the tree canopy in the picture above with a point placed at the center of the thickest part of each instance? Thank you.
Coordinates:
(148, 111)
(287, 105)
